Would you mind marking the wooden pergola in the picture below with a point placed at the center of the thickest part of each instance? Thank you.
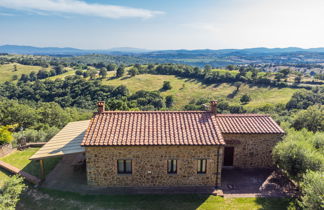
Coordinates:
(66, 141)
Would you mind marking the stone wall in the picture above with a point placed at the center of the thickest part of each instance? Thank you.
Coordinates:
(5, 149)
(252, 150)
(149, 164)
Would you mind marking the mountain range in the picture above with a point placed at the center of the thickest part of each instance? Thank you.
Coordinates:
(31, 50)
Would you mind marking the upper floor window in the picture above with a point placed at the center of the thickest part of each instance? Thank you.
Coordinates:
(124, 166)
(172, 166)
(202, 165)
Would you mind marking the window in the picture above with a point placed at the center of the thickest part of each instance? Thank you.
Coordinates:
(172, 166)
(124, 166)
(202, 165)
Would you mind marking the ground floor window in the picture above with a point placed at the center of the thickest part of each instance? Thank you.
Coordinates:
(124, 166)
(172, 166)
(202, 165)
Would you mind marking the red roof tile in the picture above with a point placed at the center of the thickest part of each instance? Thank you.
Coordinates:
(118, 128)
(247, 124)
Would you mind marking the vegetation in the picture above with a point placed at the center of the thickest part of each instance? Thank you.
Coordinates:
(311, 119)
(10, 192)
(20, 159)
(5, 135)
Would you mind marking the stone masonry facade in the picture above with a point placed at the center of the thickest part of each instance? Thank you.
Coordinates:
(149, 166)
(252, 150)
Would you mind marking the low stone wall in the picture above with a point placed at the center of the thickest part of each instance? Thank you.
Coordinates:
(5, 149)
(149, 164)
(252, 150)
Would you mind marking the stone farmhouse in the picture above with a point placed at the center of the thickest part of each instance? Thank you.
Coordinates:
(174, 148)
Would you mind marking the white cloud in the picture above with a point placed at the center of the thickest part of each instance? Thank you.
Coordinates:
(78, 7)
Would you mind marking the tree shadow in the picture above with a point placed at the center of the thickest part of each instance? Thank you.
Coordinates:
(276, 203)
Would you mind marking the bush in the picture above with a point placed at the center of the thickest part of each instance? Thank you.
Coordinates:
(169, 101)
(31, 135)
(10, 192)
(313, 190)
(166, 86)
(245, 99)
(295, 155)
(5, 135)
(311, 119)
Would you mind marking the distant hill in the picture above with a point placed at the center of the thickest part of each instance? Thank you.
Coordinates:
(30, 50)
(198, 57)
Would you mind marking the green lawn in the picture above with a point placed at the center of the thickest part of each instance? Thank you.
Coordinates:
(7, 70)
(52, 199)
(20, 159)
(184, 90)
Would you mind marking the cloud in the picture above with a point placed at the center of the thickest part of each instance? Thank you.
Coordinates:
(6, 14)
(78, 7)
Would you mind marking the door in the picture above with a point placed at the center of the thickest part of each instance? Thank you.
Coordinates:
(228, 156)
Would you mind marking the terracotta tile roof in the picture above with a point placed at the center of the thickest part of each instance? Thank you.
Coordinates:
(118, 128)
(247, 124)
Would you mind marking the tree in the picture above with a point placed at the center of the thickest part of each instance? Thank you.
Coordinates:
(92, 74)
(296, 155)
(10, 192)
(111, 67)
(298, 78)
(5, 135)
(15, 68)
(230, 67)
(279, 76)
(103, 72)
(58, 69)
(312, 188)
(32, 76)
(207, 68)
(285, 72)
(169, 101)
(237, 85)
(79, 72)
(166, 86)
(311, 119)
(133, 71)
(24, 78)
(120, 71)
(245, 99)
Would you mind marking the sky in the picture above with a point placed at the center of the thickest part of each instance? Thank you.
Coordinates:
(167, 24)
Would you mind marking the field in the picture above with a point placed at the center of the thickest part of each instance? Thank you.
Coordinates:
(7, 70)
(185, 90)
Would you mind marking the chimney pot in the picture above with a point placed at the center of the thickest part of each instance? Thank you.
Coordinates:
(213, 107)
(101, 106)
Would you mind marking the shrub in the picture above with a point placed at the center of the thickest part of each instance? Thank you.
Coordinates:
(166, 86)
(169, 101)
(313, 190)
(10, 192)
(295, 155)
(245, 99)
(5, 135)
(311, 119)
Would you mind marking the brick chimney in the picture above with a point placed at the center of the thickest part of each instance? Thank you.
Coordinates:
(101, 106)
(213, 107)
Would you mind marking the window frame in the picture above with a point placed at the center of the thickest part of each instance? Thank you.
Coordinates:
(173, 169)
(201, 166)
(124, 164)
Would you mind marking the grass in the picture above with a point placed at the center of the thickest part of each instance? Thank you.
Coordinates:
(185, 90)
(7, 70)
(20, 159)
(67, 200)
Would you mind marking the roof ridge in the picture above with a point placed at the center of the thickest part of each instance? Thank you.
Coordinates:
(108, 112)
